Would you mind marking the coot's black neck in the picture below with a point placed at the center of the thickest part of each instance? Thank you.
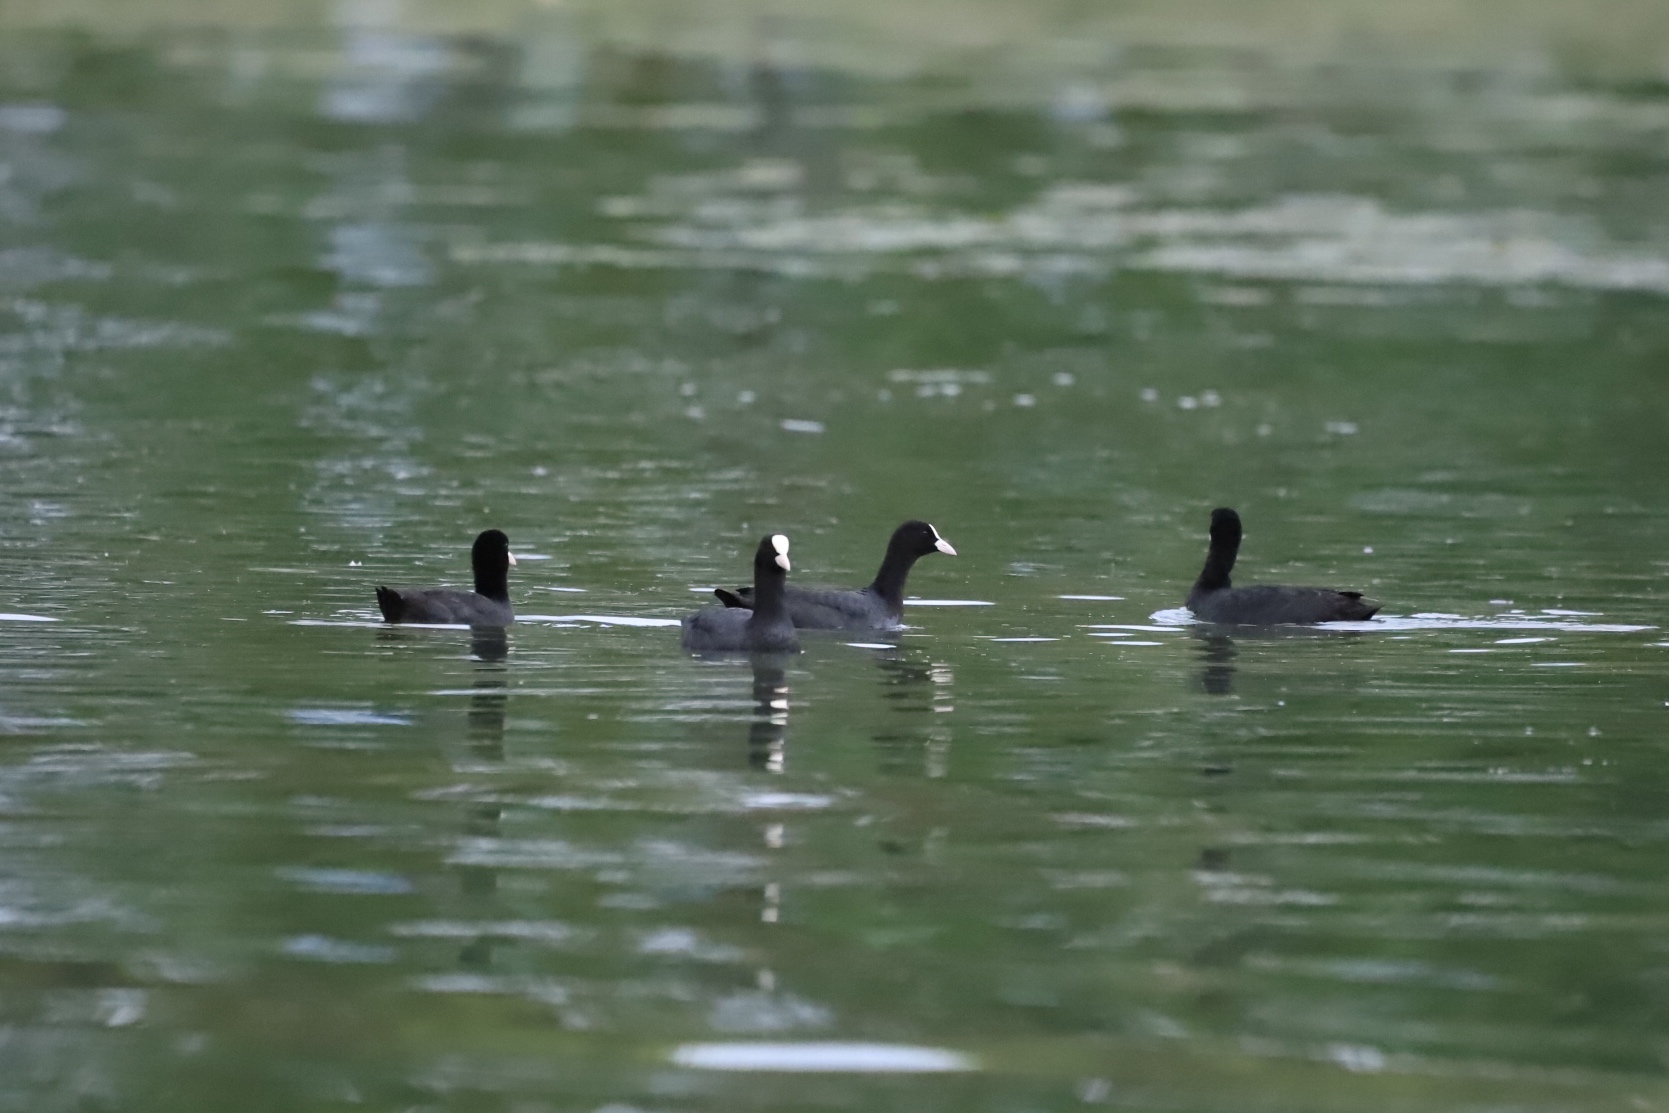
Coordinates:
(493, 581)
(769, 587)
(895, 569)
(1219, 561)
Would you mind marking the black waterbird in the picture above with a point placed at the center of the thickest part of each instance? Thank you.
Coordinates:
(1212, 599)
(763, 628)
(880, 606)
(487, 605)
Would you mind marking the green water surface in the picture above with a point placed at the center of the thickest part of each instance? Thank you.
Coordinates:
(289, 312)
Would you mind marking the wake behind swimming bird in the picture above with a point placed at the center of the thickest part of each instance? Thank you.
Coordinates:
(1213, 599)
(879, 606)
(766, 627)
(487, 605)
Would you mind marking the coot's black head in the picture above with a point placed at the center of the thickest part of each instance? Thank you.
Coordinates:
(491, 548)
(917, 539)
(1225, 528)
(771, 557)
(770, 581)
(491, 559)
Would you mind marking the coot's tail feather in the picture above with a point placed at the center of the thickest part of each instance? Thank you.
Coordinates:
(390, 603)
(1359, 606)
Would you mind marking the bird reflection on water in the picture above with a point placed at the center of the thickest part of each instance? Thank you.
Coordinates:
(768, 733)
(484, 738)
(915, 685)
(1217, 651)
(1219, 648)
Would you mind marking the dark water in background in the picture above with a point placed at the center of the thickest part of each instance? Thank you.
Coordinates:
(287, 314)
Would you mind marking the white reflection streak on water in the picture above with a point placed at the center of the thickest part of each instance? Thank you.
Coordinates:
(834, 1057)
(387, 73)
(1180, 619)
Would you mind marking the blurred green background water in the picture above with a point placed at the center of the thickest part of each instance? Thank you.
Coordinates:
(296, 298)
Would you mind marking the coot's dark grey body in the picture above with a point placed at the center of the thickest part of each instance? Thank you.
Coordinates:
(1272, 604)
(880, 606)
(487, 605)
(1214, 600)
(765, 628)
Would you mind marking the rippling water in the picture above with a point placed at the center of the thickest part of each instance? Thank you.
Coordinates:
(287, 313)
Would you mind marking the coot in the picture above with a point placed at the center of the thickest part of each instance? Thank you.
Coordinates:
(487, 605)
(766, 627)
(880, 606)
(1213, 600)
